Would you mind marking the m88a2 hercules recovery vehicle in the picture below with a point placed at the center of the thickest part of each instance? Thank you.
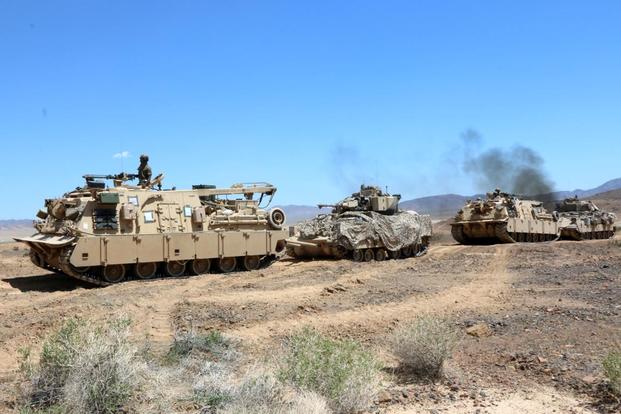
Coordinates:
(504, 218)
(106, 235)
(365, 226)
(583, 220)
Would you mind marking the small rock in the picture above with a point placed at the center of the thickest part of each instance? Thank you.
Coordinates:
(589, 379)
(479, 330)
(384, 397)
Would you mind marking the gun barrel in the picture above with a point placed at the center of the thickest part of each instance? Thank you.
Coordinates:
(121, 176)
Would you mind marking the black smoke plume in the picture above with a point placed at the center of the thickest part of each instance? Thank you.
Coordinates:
(517, 170)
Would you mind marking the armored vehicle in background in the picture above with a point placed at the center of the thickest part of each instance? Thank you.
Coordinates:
(365, 226)
(105, 235)
(582, 220)
(504, 218)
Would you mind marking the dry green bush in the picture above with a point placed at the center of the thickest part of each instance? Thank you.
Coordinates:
(85, 368)
(217, 389)
(47, 378)
(340, 371)
(423, 345)
(213, 386)
(612, 369)
(261, 392)
(213, 345)
(88, 368)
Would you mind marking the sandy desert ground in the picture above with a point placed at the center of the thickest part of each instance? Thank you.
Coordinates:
(552, 311)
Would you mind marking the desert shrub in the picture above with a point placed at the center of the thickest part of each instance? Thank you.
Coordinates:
(423, 345)
(612, 369)
(213, 386)
(340, 371)
(218, 390)
(58, 354)
(261, 392)
(85, 368)
(216, 345)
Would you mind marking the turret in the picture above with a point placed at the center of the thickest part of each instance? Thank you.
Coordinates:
(369, 198)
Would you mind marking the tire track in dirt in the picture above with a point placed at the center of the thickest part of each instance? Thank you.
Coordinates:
(483, 291)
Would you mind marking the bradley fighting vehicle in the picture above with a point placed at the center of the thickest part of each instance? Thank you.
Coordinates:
(365, 226)
(106, 235)
(504, 218)
(582, 220)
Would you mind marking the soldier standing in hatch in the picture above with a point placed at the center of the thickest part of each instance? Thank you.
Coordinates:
(144, 171)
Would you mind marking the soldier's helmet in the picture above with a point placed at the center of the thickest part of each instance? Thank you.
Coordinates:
(144, 157)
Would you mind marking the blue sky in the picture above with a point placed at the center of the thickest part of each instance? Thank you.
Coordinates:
(313, 96)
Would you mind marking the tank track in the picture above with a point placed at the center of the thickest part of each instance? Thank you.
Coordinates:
(68, 269)
(458, 234)
(591, 235)
(381, 254)
(93, 277)
(502, 235)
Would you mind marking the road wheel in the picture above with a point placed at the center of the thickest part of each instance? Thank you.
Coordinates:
(201, 266)
(276, 218)
(381, 255)
(113, 273)
(145, 270)
(357, 255)
(369, 255)
(252, 262)
(227, 264)
(174, 268)
(394, 254)
(340, 252)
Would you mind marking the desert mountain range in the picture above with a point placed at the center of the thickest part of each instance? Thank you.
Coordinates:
(446, 205)
(439, 206)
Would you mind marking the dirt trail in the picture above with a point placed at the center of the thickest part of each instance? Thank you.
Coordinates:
(552, 309)
(479, 292)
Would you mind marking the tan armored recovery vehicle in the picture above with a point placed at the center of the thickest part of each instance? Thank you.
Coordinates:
(504, 218)
(365, 226)
(583, 220)
(106, 235)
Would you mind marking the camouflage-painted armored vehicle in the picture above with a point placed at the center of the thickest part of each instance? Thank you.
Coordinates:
(582, 220)
(105, 235)
(365, 226)
(504, 218)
